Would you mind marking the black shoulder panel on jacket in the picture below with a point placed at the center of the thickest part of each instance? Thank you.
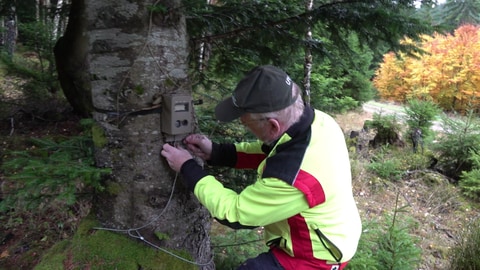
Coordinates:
(286, 162)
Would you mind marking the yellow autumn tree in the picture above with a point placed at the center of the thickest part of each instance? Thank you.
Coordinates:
(448, 73)
(390, 78)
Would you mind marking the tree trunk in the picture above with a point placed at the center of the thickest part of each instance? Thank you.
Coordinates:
(11, 37)
(71, 51)
(308, 55)
(132, 58)
(57, 19)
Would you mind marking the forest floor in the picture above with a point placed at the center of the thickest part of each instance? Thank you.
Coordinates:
(25, 236)
(440, 213)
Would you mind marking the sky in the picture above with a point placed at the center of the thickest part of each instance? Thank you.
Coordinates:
(438, 1)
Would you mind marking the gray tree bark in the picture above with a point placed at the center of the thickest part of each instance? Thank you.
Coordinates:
(133, 57)
(307, 65)
(11, 37)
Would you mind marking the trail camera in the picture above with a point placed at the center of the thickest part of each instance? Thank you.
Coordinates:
(177, 114)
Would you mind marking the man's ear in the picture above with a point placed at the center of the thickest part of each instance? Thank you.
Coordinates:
(275, 128)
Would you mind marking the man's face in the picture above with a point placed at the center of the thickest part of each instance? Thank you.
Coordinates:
(259, 127)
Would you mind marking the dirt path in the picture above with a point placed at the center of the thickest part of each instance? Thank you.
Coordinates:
(391, 108)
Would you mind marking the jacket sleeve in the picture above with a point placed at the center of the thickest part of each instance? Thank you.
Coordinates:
(240, 156)
(246, 155)
(249, 155)
(266, 201)
(223, 154)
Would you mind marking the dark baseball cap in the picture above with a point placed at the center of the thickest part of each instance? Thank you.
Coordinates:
(264, 89)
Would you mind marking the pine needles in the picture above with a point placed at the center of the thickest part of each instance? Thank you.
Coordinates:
(50, 170)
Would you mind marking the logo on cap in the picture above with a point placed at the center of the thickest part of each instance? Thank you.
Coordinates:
(288, 81)
(234, 100)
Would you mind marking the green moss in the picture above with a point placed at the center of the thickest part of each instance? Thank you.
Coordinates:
(85, 227)
(158, 8)
(55, 256)
(162, 236)
(98, 136)
(100, 249)
(113, 188)
(169, 82)
(139, 90)
(434, 179)
(443, 252)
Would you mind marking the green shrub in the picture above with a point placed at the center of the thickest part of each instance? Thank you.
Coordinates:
(37, 65)
(398, 249)
(421, 114)
(386, 169)
(470, 180)
(385, 166)
(387, 129)
(51, 170)
(36, 84)
(387, 245)
(365, 257)
(461, 135)
(385, 124)
(412, 161)
(470, 184)
(232, 249)
(465, 254)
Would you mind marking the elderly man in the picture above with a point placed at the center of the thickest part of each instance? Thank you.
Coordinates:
(303, 192)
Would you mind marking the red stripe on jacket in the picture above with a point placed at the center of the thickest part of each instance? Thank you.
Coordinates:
(249, 161)
(300, 236)
(311, 187)
(302, 248)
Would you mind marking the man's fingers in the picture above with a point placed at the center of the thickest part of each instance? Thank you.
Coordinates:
(167, 147)
(168, 150)
(194, 148)
(195, 138)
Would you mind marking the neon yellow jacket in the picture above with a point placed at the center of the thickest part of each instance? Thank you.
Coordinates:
(302, 196)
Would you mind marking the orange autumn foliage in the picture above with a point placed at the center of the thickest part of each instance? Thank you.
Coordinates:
(448, 73)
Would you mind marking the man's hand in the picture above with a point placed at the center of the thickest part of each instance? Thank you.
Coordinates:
(199, 145)
(175, 156)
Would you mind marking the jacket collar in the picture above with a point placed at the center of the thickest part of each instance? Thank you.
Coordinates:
(298, 128)
(303, 123)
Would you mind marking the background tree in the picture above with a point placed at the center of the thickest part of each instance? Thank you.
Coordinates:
(308, 62)
(457, 146)
(37, 24)
(346, 36)
(470, 180)
(454, 13)
(126, 55)
(70, 59)
(447, 72)
(420, 115)
(451, 14)
(389, 79)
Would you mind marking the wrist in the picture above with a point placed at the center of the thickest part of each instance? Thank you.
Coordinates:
(223, 154)
(192, 173)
